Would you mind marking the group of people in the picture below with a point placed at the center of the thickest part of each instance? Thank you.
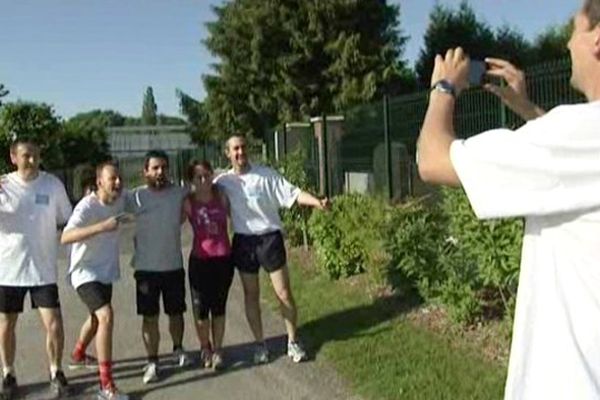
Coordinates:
(35, 208)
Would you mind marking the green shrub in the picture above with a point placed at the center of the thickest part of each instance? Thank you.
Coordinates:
(348, 239)
(487, 253)
(295, 220)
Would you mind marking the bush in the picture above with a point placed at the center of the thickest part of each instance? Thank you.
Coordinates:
(348, 239)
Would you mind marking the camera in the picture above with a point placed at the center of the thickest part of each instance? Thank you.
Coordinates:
(477, 71)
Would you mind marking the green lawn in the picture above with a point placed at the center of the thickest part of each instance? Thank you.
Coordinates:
(379, 352)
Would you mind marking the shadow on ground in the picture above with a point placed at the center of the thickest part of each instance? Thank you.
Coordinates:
(83, 385)
(354, 322)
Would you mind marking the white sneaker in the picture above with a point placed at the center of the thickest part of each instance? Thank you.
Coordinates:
(150, 373)
(111, 394)
(217, 361)
(182, 359)
(261, 354)
(206, 358)
(296, 352)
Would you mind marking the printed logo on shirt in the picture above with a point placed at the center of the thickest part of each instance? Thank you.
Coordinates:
(43, 199)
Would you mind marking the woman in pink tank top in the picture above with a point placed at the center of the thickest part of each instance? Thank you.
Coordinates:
(210, 269)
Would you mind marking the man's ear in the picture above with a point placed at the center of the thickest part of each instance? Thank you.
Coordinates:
(13, 158)
(596, 32)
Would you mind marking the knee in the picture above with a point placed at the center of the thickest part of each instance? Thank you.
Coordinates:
(150, 320)
(285, 296)
(104, 316)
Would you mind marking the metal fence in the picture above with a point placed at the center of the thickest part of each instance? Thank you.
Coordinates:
(371, 148)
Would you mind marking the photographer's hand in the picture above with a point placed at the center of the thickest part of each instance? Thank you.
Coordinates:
(453, 67)
(514, 94)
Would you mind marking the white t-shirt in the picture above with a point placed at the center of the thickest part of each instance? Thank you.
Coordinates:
(549, 172)
(157, 240)
(95, 259)
(30, 213)
(256, 197)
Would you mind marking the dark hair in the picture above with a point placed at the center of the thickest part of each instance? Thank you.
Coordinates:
(155, 154)
(192, 166)
(591, 8)
(23, 140)
(103, 164)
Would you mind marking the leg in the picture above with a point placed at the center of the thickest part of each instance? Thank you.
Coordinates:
(55, 336)
(104, 345)
(218, 331)
(252, 304)
(176, 327)
(87, 332)
(8, 341)
(151, 336)
(202, 331)
(104, 315)
(281, 285)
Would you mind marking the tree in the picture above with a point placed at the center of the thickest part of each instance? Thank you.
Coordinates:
(149, 108)
(552, 44)
(35, 121)
(197, 118)
(451, 28)
(3, 92)
(103, 118)
(290, 59)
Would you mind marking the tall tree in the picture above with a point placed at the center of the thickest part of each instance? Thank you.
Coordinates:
(3, 92)
(552, 44)
(450, 27)
(289, 59)
(149, 115)
(196, 116)
(35, 121)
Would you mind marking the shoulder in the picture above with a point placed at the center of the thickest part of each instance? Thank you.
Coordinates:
(87, 202)
(264, 171)
(51, 180)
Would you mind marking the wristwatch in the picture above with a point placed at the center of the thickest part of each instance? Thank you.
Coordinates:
(444, 86)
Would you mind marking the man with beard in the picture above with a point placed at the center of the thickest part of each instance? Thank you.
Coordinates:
(94, 266)
(32, 206)
(157, 258)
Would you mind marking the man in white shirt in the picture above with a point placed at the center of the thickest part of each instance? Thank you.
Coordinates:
(33, 206)
(157, 258)
(256, 193)
(94, 267)
(547, 171)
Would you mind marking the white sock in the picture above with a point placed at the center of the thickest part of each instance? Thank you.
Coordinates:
(9, 370)
(53, 370)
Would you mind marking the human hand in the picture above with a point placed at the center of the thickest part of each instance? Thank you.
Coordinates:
(514, 93)
(453, 67)
(109, 224)
(324, 204)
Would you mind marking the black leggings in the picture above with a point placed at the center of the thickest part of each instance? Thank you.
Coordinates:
(210, 280)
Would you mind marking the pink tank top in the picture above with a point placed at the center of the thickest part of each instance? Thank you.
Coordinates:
(209, 222)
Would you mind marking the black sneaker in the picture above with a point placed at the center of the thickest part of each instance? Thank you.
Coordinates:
(59, 385)
(9, 387)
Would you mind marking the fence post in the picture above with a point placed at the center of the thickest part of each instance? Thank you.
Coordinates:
(502, 108)
(388, 146)
(325, 156)
(284, 139)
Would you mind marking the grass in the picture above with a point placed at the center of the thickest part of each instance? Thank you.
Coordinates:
(379, 351)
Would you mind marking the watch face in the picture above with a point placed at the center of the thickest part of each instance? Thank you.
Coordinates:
(445, 87)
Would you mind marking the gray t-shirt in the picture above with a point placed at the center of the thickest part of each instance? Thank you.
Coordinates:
(157, 239)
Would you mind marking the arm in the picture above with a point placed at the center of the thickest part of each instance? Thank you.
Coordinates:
(186, 209)
(514, 93)
(307, 199)
(79, 234)
(437, 132)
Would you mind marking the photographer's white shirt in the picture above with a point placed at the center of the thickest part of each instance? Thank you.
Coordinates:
(255, 198)
(548, 171)
(31, 213)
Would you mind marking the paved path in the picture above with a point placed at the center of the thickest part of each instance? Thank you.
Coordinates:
(278, 380)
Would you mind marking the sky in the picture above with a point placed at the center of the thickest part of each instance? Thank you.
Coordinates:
(102, 54)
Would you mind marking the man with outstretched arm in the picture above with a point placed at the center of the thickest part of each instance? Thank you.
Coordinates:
(547, 171)
(256, 193)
